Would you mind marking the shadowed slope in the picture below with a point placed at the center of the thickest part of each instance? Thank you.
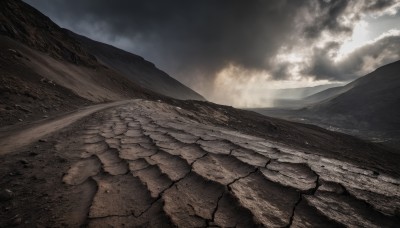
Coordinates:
(137, 69)
(45, 70)
(372, 101)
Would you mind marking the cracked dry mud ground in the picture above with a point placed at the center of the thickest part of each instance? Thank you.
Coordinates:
(148, 164)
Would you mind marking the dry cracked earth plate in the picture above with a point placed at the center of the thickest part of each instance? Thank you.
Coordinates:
(147, 164)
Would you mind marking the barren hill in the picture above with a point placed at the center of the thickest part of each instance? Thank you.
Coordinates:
(137, 69)
(63, 73)
(368, 107)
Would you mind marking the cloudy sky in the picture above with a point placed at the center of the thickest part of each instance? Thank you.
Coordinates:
(237, 51)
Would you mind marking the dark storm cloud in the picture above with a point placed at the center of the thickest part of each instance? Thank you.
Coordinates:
(336, 19)
(192, 38)
(204, 35)
(339, 16)
(327, 17)
(361, 61)
(378, 5)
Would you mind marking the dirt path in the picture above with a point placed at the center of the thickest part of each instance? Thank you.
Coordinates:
(150, 164)
(13, 139)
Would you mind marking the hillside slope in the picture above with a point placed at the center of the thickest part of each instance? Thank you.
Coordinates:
(325, 94)
(368, 107)
(44, 70)
(371, 102)
(137, 69)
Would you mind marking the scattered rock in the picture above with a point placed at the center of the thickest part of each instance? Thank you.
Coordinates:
(28, 166)
(15, 52)
(6, 194)
(33, 154)
(15, 173)
(62, 160)
(16, 220)
(23, 161)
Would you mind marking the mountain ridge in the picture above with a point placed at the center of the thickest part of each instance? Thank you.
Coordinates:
(136, 68)
(373, 98)
(22, 22)
(34, 47)
(367, 107)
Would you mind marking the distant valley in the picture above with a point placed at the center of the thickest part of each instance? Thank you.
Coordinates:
(368, 107)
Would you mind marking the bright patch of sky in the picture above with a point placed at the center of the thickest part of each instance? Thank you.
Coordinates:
(368, 29)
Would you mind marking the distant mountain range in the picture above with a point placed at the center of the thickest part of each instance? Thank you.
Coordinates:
(302, 92)
(370, 102)
(368, 107)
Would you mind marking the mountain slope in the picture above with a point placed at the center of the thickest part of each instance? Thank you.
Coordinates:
(368, 107)
(372, 100)
(36, 85)
(325, 94)
(24, 23)
(295, 98)
(302, 92)
(137, 69)
(63, 74)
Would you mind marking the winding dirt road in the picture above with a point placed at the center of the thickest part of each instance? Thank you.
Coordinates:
(17, 137)
(144, 163)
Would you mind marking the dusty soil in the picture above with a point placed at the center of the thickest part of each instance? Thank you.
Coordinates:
(27, 134)
(27, 96)
(152, 164)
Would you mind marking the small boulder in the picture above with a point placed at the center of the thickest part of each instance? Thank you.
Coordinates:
(16, 221)
(33, 154)
(6, 194)
(24, 161)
